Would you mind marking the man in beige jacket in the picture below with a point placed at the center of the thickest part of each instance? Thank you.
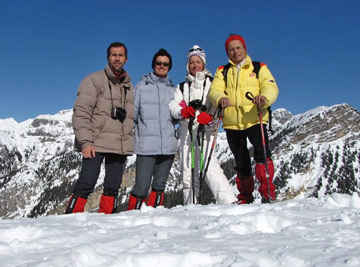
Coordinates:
(102, 119)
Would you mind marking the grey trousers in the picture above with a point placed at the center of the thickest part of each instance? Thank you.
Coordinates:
(151, 170)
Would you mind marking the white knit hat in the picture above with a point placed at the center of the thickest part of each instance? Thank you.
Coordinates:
(196, 51)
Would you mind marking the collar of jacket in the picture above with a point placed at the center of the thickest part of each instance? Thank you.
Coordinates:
(246, 64)
(124, 77)
(152, 78)
(191, 78)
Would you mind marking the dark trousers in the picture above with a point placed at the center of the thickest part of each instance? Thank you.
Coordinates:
(90, 170)
(237, 141)
(151, 167)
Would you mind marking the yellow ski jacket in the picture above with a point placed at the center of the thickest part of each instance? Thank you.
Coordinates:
(242, 113)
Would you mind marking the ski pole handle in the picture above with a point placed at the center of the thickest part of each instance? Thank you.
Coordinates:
(216, 114)
(251, 97)
(221, 112)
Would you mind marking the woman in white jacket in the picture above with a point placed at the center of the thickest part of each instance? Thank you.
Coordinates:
(195, 90)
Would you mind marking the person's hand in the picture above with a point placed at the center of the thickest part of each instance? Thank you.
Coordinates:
(188, 112)
(88, 152)
(204, 118)
(260, 100)
(224, 102)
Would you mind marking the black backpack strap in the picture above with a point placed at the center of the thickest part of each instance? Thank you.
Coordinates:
(225, 71)
(181, 86)
(257, 66)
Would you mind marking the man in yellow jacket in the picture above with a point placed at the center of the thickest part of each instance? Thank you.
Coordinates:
(241, 118)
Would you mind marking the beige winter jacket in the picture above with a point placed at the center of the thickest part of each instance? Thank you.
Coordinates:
(92, 122)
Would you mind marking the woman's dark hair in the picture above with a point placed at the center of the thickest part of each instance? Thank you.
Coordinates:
(162, 52)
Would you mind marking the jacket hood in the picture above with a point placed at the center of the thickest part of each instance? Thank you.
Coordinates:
(152, 78)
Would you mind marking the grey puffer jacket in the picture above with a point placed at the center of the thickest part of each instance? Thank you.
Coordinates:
(92, 122)
(154, 127)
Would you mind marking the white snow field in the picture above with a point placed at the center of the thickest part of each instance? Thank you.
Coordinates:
(296, 233)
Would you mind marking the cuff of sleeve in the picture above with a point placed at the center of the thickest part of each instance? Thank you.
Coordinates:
(86, 144)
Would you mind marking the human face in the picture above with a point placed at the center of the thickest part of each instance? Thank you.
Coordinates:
(236, 51)
(117, 58)
(161, 70)
(195, 65)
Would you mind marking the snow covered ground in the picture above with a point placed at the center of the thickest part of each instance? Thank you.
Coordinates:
(296, 233)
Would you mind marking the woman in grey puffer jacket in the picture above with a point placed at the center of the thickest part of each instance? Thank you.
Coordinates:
(155, 138)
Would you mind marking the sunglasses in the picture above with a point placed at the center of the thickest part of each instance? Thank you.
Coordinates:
(158, 63)
(195, 49)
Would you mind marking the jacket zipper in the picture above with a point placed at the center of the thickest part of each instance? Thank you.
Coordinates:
(237, 93)
(157, 85)
(122, 124)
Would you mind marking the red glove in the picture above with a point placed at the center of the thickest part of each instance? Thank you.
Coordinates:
(182, 104)
(188, 112)
(204, 118)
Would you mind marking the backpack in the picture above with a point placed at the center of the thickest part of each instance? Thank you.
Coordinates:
(257, 65)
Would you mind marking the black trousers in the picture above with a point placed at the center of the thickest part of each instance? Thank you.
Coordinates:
(237, 141)
(90, 170)
(151, 170)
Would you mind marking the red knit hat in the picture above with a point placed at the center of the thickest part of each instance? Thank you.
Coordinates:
(233, 37)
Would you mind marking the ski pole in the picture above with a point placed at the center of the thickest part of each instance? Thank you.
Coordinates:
(190, 127)
(201, 131)
(250, 96)
(219, 112)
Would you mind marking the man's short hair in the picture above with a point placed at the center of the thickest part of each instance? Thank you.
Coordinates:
(116, 44)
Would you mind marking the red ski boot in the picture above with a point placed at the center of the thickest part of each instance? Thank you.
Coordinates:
(76, 204)
(108, 204)
(135, 202)
(156, 198)
(260, 172)
(245, 185)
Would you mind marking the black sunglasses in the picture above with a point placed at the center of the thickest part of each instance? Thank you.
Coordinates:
(158, 63)
(196, 49)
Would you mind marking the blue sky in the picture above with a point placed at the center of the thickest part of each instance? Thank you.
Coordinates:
(47, 47)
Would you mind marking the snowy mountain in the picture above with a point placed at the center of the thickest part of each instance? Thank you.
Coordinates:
(316, 153)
